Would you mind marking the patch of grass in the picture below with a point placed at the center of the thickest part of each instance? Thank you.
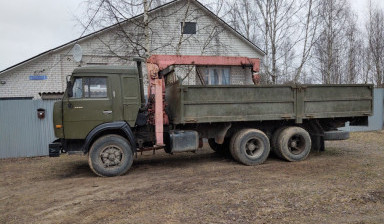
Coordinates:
(332, 151)
(374, 137)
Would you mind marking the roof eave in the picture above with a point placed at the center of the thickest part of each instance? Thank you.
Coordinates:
(135, 17)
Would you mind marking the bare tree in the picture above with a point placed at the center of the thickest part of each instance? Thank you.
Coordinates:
(133, 35)
(324, 33)
(354, 50)
(242, 17)
(302, 38)
(375, 31)
(181, 37)
(146, 5)
(330, 47)
(366, 65)
(124, 40)
(310, 27)
(276, 23)
(286, 30)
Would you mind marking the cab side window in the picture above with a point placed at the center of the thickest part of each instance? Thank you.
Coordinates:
(77, 88)
(90, 87)
(95, 87)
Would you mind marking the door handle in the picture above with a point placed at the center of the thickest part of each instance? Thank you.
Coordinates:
(107, 112)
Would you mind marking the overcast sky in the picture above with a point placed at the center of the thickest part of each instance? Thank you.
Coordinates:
(28, 28)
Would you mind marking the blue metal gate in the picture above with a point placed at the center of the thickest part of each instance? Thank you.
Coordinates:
(376, 121)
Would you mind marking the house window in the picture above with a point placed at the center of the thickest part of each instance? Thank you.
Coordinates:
(90, 87)
(217, 76)
(189, 28)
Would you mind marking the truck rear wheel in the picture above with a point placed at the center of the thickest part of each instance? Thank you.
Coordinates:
(250, 147)
(294, 144)
(274, 142)
(110, 155)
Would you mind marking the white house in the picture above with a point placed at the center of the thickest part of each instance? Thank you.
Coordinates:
(179, 27)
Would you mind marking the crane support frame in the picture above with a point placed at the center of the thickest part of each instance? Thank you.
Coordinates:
(156, 87)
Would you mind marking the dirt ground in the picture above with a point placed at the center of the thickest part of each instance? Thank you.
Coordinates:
(344, 184)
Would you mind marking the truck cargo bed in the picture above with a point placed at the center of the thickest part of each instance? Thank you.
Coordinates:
(205, 104)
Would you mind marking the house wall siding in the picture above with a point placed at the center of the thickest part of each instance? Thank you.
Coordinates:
(204, 42)
(18, 83)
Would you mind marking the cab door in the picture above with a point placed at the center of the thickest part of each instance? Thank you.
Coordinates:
(131, 97)
(89, 106)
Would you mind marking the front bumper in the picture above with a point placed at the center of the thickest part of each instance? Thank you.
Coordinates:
(54, 149)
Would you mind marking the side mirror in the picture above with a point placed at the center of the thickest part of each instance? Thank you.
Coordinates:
(69, 89)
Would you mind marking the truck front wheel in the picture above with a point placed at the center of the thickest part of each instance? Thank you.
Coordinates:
(250, 147)
(110, 155)
(294, 144)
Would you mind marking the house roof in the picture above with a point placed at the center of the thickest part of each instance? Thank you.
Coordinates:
(238, 34)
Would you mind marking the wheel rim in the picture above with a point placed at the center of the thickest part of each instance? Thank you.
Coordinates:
(254, 148)
(111, 156)
(296, 144)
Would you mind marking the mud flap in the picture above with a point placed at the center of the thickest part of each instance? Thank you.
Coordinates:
(54, 149)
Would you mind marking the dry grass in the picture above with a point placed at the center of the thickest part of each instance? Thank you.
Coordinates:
(344, 184)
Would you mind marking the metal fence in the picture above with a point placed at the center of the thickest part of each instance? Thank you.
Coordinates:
(22, 133)
(376, 121)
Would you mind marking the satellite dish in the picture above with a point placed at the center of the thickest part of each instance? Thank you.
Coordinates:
(77, 53)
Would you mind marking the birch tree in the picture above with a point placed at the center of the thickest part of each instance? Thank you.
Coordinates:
(310, 27)
(285, 29)
(375, 31)
(354, 47)
(329, 53)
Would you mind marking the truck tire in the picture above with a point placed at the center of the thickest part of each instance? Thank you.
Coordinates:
(294, 144)
(232, 146)
(219, 148)
(336, 135)
(250, 147)
(110, 155)
(274, 142)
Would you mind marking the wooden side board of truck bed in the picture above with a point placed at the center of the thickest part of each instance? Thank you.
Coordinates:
(205, 104)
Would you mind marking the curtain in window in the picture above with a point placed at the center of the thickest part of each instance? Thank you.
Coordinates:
(217, 76)
(225, 80)
(214, 76)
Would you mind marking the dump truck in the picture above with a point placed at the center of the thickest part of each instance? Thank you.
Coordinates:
(106, 115)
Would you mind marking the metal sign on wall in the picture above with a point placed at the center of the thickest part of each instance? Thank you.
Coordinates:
(38, 77)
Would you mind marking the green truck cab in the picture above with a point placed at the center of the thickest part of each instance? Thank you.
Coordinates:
(98, 95)
(105, 115)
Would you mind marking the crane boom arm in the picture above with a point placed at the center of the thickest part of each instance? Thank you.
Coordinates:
(164, 61)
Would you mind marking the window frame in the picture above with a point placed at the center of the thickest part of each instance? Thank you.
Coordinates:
(221, 69)
(83, 84)
(182, 30)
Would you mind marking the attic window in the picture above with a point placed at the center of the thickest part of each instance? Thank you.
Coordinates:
(189, 28)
